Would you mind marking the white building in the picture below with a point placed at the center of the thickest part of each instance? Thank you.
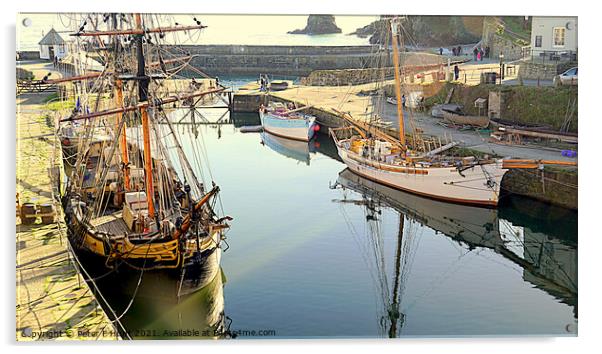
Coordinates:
(553, 34)
(52, 46)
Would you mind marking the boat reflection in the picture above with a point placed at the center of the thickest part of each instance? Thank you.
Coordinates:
(161, 305)
(549, 262)
(294, 149)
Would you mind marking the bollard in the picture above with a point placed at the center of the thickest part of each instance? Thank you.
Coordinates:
(47, 213)
(28, 214)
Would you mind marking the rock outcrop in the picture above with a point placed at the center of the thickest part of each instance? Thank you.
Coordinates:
(429, 30)
(319, 24)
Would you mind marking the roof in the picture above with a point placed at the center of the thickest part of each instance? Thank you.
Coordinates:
(52, 38)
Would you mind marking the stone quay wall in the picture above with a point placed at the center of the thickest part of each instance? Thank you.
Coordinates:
(277, 60)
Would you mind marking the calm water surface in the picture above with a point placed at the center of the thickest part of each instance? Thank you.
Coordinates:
(315, 251)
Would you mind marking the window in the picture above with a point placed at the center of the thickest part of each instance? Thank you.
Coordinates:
(538, 41)
(559, 36)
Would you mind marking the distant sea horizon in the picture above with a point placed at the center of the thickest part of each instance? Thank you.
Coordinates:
(221, 29)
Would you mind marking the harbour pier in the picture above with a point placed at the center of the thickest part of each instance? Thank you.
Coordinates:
(53, 300)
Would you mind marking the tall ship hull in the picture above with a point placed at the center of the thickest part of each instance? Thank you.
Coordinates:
(473, 185)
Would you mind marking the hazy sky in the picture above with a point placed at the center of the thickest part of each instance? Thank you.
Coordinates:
(222, 29)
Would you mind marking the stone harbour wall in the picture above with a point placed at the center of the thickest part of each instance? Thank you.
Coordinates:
(554, 186)
(536, 70)
(276, 60)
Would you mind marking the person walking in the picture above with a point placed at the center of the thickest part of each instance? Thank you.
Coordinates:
(440, 51)
(459, 50)
(454, 51)
(479, 56)
(481, 53)
(403, 101)
(475, 51)
(456, 72)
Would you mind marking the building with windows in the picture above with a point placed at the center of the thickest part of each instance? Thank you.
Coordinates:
(52, 46)
(554, 34)
(553, 48)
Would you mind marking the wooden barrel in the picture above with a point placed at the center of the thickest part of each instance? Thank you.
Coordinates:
(48, 213)
(28, 213)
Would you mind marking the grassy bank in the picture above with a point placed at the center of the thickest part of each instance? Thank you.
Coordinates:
(524, 104)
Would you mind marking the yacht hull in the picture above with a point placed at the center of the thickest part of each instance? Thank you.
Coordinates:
(477, 185)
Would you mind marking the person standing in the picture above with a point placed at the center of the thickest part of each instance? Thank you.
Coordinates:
(440, 51)
(456, 72)
(403, 101)
(459, 50)
(475, 51)
(479, 56)
(481, 53)
(454, 51)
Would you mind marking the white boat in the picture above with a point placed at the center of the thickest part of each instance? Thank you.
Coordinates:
(414, 167)
(276, 119)
(469, 182)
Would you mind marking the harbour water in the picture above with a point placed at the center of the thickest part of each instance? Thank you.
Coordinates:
(315, 251)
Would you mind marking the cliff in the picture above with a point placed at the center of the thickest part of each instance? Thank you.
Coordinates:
(319, 24)
(429, 31)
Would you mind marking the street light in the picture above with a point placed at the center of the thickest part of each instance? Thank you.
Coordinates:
(501, 67)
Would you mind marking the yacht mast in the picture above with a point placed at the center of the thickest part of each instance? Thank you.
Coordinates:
(394, 37)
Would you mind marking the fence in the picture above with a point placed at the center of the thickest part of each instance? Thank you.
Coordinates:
(549, 56)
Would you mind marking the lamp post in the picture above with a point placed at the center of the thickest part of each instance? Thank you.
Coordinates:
(501, 67)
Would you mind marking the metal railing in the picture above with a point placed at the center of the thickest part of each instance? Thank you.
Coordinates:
(549, 56)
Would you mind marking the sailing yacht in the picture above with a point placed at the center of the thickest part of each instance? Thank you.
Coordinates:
(411, 167)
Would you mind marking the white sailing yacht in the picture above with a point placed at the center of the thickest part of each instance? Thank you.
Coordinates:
(373, 154)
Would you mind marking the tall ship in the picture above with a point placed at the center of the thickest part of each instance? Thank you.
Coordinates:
(133, 198)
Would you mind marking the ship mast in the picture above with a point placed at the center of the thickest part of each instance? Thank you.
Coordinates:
(394, 37)
(119, 103)
(393, 311)
(143, 82)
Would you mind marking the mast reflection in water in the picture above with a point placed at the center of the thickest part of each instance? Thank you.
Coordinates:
(548, 262)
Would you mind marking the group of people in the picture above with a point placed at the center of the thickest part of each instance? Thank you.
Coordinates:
(479, 53)
(456, 51)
